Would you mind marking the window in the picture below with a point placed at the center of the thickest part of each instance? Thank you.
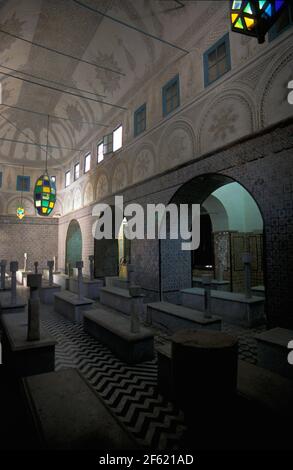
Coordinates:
(87, 163)
(67, 178)
(171, 98)
(108, 144)
(117, 139)
(100, 151)
(217, 60)
(53, 179)
(284, 21)
(0, 179)
(140, 120)
(23, 183)
(76, 171)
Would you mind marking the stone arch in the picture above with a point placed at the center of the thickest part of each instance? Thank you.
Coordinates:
(77, 199)
(73, 245)
(27, 203)
(143, 163)
(120, 178)
(102, 186)
(88, 194)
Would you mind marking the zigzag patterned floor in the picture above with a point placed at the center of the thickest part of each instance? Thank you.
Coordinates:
(130, 391)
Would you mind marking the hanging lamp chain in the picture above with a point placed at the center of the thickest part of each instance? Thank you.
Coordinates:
(48, 122)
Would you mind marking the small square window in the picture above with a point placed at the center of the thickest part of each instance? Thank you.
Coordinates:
(217, 60)
(108, 144)
(53, 179)
(117, 139)
(140, 120)
(23, 183)
(87, 163)
(76, 171)
(100, 152)
(67, 178)
(171, 96)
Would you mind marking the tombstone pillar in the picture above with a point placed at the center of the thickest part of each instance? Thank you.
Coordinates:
(13, 269)
(79, 266)
(34, 282)
(25, 262)
(3, 264)
(92, 268)
(247, 258)
(50, 265)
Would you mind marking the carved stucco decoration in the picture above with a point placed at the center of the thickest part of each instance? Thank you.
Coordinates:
(77, 199)
(27, 203)
(274, 104)
(68, 203)
(144, 164)
(119, 180)
(225, 120)
(102, 188)
(177, 145)
(88, 194)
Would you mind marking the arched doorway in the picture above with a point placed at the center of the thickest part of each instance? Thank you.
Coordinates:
(231, 224)
(73, 246)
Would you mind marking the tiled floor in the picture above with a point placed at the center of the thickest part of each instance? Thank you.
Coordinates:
(130, 391)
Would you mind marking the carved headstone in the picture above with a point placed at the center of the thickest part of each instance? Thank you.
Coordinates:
(13, 269)
(55, 261)
(25, 262)
(3, 264)
(247, 259)
(92, 268)
(34, 282)
(36, 265)
(79, 266)
(50, 265)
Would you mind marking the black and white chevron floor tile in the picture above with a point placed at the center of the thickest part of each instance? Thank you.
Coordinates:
(130, 391)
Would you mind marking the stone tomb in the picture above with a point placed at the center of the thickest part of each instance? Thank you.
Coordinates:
(114, 330)
(259, 291)
(71, 306)
(272, 351)
(23, 357)
(48, 288)
(91, 288)
(21, 277)
(215, 284)
(69, 415)
(120, 299)
(232, 307)
(175, 317)
(9, 301)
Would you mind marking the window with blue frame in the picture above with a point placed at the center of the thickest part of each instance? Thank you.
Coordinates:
(0, 179)
(284, 22)
(140, 120)
(216, 60)
(171, 95)
(23, 183)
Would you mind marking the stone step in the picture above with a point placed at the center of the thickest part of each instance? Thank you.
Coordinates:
(176, 317)
(113, 330)
(71, 306)
(69, 415)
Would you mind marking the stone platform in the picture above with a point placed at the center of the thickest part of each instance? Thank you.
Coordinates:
(113, 330)
(215, 285)
(70, 306)
(176, 317)
(272, 351)
(47, 293)
(116, 281)
(91, 289)
(230, 306)
(69, 415)
(21, 277)
(7, 307)
(22, 357)
(259, 291)
(120, 299)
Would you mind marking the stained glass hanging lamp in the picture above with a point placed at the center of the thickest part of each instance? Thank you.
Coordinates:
(20, 211)
(255, 17)
(45, 189)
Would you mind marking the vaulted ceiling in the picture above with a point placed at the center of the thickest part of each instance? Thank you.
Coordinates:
(115, 58)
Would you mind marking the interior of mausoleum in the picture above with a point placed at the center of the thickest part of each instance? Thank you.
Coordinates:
(146, 227)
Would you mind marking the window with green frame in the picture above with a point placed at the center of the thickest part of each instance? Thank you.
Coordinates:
(216, 60)
(283, 22)
(171, 95)
(140, 120)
